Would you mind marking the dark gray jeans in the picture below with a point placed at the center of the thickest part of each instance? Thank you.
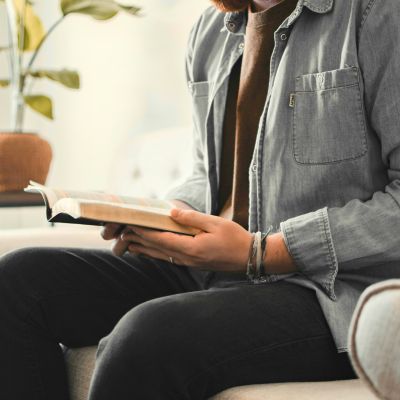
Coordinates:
(165, 332)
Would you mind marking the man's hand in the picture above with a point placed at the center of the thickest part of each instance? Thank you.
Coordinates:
(114, 232)
(222, 245)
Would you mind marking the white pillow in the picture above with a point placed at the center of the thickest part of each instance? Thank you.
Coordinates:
(375, 339)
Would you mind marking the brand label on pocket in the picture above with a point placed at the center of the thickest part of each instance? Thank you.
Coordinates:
(292, 100)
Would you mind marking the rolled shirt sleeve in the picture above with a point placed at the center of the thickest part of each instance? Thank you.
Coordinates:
(309, 241)
(361, 233)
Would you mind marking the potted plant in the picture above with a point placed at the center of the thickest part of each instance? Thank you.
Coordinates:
(24, 155)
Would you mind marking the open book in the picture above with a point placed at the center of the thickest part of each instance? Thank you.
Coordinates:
(97, 208)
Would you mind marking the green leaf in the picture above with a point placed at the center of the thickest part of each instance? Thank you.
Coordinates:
(41, 104)
(4, 83)
(66, 77)
(33, 28)
(130, 9)
(97, 9)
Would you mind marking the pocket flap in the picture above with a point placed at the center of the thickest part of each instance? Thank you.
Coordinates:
(327, 80)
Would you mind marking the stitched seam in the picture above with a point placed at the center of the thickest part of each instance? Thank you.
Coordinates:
(393, 198)
(314, 8)
(333, 267)
(327, 89)
(366, 14)
(256, 350)
(362, 117)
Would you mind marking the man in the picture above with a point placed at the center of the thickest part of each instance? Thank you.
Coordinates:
(297, 116)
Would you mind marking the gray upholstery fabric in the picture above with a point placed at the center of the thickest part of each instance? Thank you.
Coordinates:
(375, 339)
(80, 365)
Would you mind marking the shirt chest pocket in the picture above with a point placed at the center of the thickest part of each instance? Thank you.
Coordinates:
(328, 118)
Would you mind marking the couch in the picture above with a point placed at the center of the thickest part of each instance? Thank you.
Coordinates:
(152, 163)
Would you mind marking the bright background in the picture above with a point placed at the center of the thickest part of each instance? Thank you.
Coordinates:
(132, 77)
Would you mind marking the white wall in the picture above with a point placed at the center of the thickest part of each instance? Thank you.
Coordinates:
(132, 72)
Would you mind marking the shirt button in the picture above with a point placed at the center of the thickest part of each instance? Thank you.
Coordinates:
(231, 26)
(283, 36)
(241, 46)
(254, 167)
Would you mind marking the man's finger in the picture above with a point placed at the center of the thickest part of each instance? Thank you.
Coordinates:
(195, 219)
(165, 241)
(111, 231)
(119, 247)
(149, 252)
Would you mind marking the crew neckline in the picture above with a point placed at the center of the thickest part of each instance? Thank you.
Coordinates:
(256, 19)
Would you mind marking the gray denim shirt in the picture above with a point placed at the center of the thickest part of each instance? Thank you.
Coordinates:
(326, 164)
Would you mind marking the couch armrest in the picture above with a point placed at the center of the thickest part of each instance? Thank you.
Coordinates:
(375, 338)
(86, 237)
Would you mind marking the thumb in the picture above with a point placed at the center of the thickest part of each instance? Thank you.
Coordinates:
(193, 218)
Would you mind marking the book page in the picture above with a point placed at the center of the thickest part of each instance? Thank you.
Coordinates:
(97, 213)
(53, 195)
(49, 196)
(73, 207)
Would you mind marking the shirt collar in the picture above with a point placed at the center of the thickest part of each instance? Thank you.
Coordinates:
(235, 22)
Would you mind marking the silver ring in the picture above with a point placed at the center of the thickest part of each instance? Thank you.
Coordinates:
(171, 260)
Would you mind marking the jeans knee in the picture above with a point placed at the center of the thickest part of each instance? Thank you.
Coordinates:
(23, 271)
(137, 330)
(16, 265)
(145, 343)
(151, 334)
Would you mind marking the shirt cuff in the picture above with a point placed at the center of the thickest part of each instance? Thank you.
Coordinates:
(309, 241)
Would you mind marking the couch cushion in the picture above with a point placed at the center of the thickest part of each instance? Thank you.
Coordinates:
(59, 236)
(336, 390)
(80, 364)
(375, 338)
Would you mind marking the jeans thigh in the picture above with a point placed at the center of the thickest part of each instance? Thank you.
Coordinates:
(76, 296)
(197, 344)
(264, 334)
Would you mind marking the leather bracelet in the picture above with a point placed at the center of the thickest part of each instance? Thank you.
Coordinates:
(265, 235)
(250, 268)
(258, 259)
(259, 251)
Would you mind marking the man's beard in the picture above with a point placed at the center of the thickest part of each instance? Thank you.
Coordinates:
(231, 5)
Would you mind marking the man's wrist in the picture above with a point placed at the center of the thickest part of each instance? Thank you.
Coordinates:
(278, 259)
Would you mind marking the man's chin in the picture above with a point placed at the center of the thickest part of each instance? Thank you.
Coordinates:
(231, 5)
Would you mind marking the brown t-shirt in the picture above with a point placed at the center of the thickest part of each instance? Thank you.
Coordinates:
(248, 86)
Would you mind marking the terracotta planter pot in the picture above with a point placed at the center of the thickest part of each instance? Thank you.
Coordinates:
(23, 157)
